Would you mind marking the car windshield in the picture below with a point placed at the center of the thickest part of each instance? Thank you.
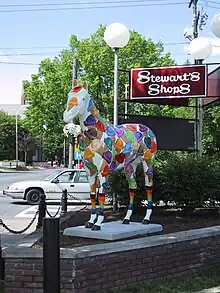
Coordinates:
(51, 176)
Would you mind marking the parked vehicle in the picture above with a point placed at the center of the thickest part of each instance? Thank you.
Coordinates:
(74, 180)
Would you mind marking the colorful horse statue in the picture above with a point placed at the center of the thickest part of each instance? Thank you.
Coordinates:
(106, 148)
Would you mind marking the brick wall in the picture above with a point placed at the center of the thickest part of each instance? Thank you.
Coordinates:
(92, 269)
(118, 270)
(26, 275)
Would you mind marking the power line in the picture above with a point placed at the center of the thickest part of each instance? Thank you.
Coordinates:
(63, 47)
(213, 2)
(18, 63)
(93, 7)
(215, 7)
(77, 3)
(29, 54)
(33, 48)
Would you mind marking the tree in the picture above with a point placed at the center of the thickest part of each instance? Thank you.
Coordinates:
(7, 136)
(187, 62)
(48, 89)
(211, 129)
(26, 143)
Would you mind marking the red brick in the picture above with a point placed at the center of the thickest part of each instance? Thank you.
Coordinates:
(33, 285)
(112, 277)
(68, 286)
(37, 279)
(119, 282)
(14, 285)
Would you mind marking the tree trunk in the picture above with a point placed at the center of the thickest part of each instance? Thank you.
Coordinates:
(25, 158)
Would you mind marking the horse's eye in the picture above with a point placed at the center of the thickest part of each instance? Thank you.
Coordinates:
(83, 99)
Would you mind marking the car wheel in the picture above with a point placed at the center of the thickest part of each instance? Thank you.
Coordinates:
(33, 196)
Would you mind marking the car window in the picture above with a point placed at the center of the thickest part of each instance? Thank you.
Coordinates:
(51, 176)
(83, 178)
(67, 177)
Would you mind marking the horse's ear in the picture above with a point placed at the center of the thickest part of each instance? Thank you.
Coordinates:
(85, 85)
(75, 83)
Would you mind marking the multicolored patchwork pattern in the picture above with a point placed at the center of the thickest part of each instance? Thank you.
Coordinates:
(106, 148)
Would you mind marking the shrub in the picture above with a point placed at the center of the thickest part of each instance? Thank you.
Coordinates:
(185, 179)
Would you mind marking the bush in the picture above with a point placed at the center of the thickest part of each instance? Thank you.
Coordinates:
(185, 179)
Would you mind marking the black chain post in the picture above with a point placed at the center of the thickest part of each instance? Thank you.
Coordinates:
(64, 202)
(2, 264)
(51, 255)
(42, 210)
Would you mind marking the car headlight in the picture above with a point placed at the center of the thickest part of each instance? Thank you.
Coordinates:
(12, 188)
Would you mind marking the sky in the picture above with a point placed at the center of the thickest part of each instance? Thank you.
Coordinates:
(22, 31)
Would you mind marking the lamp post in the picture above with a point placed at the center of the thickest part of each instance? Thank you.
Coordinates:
(16, 132)
(215, 25)
(116, 36)
(200, 49)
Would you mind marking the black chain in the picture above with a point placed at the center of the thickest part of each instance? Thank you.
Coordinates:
(21, 231)
(53, 216)
(79, 200)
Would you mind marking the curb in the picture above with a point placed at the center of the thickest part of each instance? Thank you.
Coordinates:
(210, 290)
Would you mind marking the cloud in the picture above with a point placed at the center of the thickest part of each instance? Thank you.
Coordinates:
(215, 46)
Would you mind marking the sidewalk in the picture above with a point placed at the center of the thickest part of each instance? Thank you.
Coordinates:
(7, 238)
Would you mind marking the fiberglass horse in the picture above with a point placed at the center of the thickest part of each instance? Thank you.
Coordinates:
(106, 148)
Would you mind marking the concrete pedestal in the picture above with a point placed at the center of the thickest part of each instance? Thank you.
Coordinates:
(114, 230)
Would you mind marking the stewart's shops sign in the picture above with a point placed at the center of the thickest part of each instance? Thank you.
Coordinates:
(168, 82)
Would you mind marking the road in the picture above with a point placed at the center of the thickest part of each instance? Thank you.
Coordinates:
(17, 214)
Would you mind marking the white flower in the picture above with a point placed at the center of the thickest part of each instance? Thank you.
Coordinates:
(72, 129)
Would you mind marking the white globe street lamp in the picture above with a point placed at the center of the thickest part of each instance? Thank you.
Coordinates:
(200, 49)
(116, 36)
(215, 25)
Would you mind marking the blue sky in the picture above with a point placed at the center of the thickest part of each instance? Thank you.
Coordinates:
(53, 28)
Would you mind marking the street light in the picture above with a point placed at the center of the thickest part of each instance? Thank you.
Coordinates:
(16, 131)
(215, 25)
(200, 49)
(116, 36)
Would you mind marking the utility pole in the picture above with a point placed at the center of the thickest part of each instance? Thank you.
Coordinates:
(199, 114)
(72, 139)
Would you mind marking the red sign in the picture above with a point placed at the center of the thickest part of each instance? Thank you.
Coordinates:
(168, 82)
(213, 91)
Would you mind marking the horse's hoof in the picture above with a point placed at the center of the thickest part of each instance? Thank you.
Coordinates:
(145, 222)
(96, 228)
(126, 222)
(89, 225)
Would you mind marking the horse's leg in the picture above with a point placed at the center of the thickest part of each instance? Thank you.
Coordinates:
(132, 189)
(101, 199)
(93, 216)
(148, 171)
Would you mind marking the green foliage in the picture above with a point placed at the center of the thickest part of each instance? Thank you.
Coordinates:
(26, 142)
(185, 179)
(7, 136)
(48, 89)
(211, 130)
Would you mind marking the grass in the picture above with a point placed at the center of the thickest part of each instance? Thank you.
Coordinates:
(202, 279)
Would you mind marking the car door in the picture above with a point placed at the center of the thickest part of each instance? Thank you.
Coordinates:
(82, 188)
(65, 181)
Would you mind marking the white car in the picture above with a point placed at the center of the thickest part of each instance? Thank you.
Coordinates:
(74, 180)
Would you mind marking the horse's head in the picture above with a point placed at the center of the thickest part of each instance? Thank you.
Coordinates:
(76, 102)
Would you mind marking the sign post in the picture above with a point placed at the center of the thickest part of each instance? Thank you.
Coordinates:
(172, 83)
